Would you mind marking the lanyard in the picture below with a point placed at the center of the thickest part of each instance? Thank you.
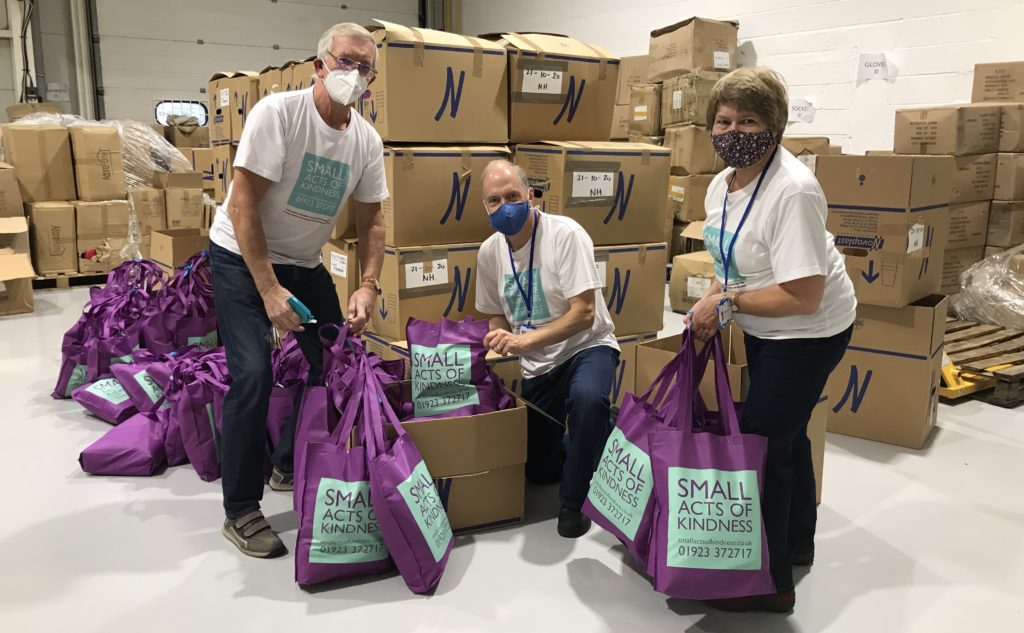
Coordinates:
(727, 256)
(528, 293)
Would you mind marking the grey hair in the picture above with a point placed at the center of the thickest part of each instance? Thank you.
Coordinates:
(501, 162)
(345, 29)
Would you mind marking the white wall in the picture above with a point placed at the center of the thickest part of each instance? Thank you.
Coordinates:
(149, 49)
(815, 44)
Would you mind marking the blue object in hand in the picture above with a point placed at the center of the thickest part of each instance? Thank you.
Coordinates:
(305, 316)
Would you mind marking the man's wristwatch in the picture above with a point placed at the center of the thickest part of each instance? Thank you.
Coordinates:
(372, 283)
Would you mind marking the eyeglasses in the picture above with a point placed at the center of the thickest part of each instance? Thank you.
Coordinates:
(346, 63)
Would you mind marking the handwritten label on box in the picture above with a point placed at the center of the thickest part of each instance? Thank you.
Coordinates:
(426, 274)
(592, 184)
(545, 82)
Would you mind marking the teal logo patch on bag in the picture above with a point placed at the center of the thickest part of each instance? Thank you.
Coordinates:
(149, 385)
(714, 519)
(77, 379)
(421, 497)
(108, 389)
(206, 342)
(345, 528)
(321, 185)
(442, 379)
(622, 485)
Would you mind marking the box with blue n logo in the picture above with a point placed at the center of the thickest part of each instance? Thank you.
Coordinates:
(559, 88)
(436, 195)
(634, 285)
(436, 87)
(886, 387)
(890, 218)
(616, 191)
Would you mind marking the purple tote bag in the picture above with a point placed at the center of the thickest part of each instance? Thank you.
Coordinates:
(133, 448)
(106, 399)
(708, 537)
(412, 517)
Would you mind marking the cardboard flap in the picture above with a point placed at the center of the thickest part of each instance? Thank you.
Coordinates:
(251, 74)
(17, 266)
(224, 74)
(269, 69)
(391, 32)
(556, 44)
(11, 226)
(694, 231)
(445, 149)
(678, 25)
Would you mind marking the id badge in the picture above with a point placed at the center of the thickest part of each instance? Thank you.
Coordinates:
(525, 327)
(724, 312)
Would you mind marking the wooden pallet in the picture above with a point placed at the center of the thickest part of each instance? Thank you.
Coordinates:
(990, 357)
(63, 281)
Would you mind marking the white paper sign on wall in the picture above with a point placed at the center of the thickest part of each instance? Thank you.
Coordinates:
(801, 111)
(872, 66)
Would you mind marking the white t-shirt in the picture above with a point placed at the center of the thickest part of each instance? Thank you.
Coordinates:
(783, 239)
(563, 267)
(314, 168)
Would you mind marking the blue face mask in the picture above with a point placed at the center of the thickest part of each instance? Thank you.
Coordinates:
(510, 218)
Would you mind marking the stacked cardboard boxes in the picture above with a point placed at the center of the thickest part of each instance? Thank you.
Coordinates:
(16, 270)
(632, 71)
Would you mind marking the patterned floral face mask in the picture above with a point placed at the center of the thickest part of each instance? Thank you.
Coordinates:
(743, 149)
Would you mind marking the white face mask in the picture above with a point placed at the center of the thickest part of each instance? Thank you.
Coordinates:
(345, 86)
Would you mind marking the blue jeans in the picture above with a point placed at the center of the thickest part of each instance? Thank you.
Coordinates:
(576, 392)
(245, 331)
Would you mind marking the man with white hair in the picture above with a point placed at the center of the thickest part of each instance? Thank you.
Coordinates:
(301, 155)
(537, 279)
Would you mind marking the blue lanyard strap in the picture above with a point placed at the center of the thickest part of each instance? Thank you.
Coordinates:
(528, 293)
(727, 256)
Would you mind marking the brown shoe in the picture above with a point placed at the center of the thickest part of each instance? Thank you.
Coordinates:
(281, 481)
(252, 535)
(772, 602)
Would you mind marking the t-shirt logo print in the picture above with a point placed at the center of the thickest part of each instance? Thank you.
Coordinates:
(711, 241)
(321, 185)
(516, 303)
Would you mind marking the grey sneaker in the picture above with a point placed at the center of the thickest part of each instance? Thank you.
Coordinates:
(281, 481)
(252, 535)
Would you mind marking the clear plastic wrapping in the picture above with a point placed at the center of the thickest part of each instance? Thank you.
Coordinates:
(993, 290)
(143, 152)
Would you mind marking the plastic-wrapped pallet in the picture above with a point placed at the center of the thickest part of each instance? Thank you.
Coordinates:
(993, 290)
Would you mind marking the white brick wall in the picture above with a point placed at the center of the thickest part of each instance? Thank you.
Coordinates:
(815, 44)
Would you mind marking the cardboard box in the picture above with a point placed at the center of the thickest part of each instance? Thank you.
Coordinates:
(272, 81)
(435, 87)
(974, 178)
(11, 204)
(685, 99)
(625, 373)
(22, 110)
(634, 285)
(99, 169)
(477, 463)
(693, 44)
(54, 237)
(1006, 224)
(223, 171)
(436, 194)
(178, 180)
(645, 109)
(1009, 177)
(616, 191)
(560, 89)
(968, 224)
(692, 275)
(890, 218)
(16, 271)
(345, 222)
(993, 250)
(632, 71)
(218, 92)
(182, 138)
(41, 155)
(958, 130)
(303, 73)
(692, 151)
(620, 123)
(804, 145)
(686, 196)
(955, 263)
(184, 208)
(886, 387)
(646, 140)
(150, 208)
(341, 259)
(171, 248)
(202, 162)
(1000, 81)
(245, 92)
(1011, 127)
(102, 229)
(693, 237)
(426, 283)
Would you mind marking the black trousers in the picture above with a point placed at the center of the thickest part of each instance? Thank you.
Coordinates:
(787, 378)
(244, 329)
